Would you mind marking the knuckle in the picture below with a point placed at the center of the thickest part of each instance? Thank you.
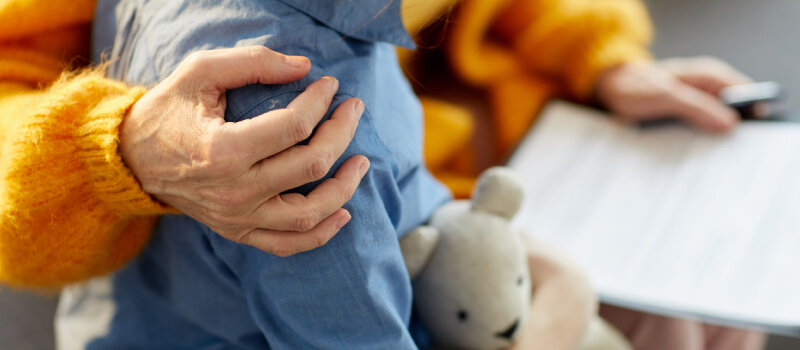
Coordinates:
(260, 54)
(219, 167)
(301, 127)
(196, 60)
(218, 161)
(306, 220)
(320, 241)
(224, 169)
(319, 164)
(282, 248)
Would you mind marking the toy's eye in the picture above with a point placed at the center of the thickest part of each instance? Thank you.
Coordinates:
(519, 281)
(462, 315)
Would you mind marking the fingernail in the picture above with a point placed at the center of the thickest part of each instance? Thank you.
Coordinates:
(295, 61)
(362, 170)
(358, 106)
(343, 220)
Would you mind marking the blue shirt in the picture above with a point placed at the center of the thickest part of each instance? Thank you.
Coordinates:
(193, 289)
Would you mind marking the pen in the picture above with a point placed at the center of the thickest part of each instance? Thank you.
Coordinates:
(753, 101)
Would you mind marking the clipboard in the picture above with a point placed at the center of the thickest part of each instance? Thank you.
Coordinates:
(671, 220)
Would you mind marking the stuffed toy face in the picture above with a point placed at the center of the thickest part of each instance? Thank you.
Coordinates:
(469, 270)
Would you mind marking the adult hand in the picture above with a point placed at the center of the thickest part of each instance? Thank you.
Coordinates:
(686, 88)
(230, 176)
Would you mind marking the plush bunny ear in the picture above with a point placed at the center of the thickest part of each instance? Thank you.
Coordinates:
(499, 191)
(418, 247)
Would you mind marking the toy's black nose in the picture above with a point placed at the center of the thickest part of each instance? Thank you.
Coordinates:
(509, 332)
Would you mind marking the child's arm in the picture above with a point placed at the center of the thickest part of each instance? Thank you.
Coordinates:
(570, 41)
(563, 301)
(525, 52)
(687, 89)
(594, 51)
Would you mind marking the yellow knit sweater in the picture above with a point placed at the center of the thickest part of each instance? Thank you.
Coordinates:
(519, 54)
(70, 210)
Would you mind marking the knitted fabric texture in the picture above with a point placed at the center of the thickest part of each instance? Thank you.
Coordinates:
(69, 208)
(522, 53)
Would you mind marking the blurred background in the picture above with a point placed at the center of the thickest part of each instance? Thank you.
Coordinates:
(759, 37)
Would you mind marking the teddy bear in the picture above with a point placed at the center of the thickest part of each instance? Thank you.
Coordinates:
(468, 267)
(469, 271)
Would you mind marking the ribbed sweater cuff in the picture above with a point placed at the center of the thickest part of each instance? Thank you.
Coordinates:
(98, 140)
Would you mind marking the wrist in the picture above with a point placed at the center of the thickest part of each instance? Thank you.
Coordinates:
(603, 57)
(99, 142)
(128, 141)
(138, 148)
(602, 86)
(607, 84)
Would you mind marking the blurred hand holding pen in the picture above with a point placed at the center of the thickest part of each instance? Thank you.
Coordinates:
(759, 101)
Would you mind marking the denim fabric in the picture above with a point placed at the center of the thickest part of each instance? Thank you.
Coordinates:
(191, 288)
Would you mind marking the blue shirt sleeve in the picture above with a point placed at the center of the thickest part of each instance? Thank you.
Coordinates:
(352, 293)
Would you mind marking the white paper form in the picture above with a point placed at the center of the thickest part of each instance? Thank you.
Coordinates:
(669, 219)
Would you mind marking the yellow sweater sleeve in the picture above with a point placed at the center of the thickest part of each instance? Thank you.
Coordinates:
(575, 40)
(567, 41)
(69, 208)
